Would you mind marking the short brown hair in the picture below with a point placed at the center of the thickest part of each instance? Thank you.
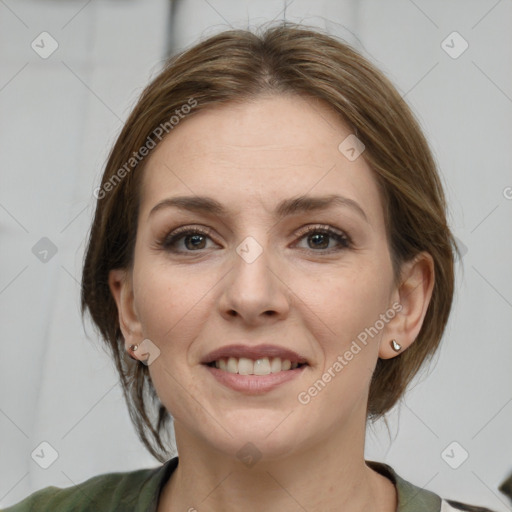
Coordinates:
(282, 59)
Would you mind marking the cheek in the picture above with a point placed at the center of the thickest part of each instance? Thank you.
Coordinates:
(171, 306)
(340, 310)
(348, 299)
(168, 302)
(343, 329)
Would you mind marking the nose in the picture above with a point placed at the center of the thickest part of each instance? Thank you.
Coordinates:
(254, 291)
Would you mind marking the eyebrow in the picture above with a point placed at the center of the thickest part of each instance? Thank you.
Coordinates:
(287, 207)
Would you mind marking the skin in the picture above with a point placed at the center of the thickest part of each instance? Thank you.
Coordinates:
(313, 296)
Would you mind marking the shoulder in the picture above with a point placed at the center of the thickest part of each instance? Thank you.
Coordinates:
(128, 491)
(412, 498)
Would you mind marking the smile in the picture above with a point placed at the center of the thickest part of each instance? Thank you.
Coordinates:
(261, 366)
(253, 383)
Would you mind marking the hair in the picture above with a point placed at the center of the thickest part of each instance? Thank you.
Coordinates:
(240, 65)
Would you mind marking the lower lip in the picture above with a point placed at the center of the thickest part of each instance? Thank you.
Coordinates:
(254, 384)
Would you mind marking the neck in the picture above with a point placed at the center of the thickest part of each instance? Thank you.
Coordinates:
(327, 476)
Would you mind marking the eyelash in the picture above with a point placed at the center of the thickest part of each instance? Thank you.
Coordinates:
(169, 241)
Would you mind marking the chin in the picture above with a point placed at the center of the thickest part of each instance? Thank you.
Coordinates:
(257, 435)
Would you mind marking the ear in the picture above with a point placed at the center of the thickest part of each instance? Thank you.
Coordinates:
(413, 295)
(120, 284)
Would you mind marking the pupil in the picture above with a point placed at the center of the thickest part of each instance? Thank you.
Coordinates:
(194, 239)
(319, 237)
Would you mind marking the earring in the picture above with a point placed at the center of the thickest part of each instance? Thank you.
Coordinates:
(133, 348)
(395, 346)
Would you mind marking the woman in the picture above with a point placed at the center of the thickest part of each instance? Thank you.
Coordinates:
(270, 265)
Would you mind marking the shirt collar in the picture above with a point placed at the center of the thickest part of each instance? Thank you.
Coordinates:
(410, 497)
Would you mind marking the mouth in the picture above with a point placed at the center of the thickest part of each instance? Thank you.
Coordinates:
(261, 366)
(254, 369)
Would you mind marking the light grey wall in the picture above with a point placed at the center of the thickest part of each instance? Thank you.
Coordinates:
(58, 118)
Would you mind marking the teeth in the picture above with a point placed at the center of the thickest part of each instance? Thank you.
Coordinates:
(263, 366)
(245, 366)
(232, 365)
(275, 365)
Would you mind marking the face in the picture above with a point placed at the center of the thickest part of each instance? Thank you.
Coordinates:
(259, 276)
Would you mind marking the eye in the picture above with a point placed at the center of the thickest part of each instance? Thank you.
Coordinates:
(193, 239)
(319, 238)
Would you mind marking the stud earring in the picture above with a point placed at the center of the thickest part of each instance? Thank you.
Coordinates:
(395, 346)
(133, 348)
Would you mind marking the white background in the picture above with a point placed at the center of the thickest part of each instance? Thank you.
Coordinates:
(58, 119)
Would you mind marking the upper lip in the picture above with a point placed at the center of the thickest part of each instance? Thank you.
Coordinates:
(253, 352)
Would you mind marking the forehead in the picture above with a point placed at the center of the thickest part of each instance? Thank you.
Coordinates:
(258, 152)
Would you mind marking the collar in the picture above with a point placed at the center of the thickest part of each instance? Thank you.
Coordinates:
(410, 497)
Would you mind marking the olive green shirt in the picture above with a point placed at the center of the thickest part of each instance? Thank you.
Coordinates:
(139, 491)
